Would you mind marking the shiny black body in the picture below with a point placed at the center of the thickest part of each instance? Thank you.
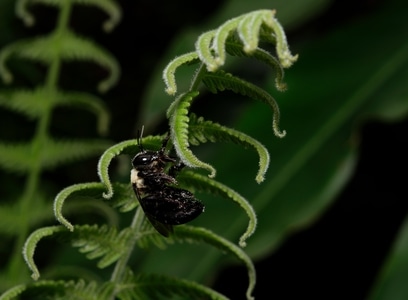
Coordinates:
(164, 204)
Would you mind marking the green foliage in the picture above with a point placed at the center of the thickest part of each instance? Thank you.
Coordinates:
(328, 97)
(43, 152)
(343, 79)
(240, 37)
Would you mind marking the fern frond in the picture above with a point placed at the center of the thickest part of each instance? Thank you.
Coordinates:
(102, 242)
(124, 198)
(65, 45)
(272, 25)
(126, 147)
(220, 37)
(72, 191)
(29, 103)
(13, 292)
(12, 221)
(248, 25)
(31, 244)
(58, 152)
(204, 51)
(198, 234)
(168, 72)
(235, 48)
(220, 81)
(153, 286)
(110, 7)
(35, 103)
(185, 233)
(50, 289)
(201, 131)
(89, 102)
(202, 183)
(211, 46)
(15, 157)
(19, 157)
(178, 114)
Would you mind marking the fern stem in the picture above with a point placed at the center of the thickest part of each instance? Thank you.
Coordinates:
(198, 77)
(120, 267)
(52, 76)
(38, 144)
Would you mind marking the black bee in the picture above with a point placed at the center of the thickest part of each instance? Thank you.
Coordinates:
(163, 204)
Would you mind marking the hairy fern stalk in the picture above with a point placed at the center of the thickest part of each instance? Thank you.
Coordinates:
(113, 246)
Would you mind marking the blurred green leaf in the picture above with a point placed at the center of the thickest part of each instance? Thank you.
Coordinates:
(392, 282)
(351, 73)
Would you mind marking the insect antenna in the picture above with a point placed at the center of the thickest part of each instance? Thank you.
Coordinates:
(139, 139)
(164, 143)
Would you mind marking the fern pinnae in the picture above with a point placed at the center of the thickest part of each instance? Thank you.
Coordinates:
(221, 80)
(5, 73)
(79, 48)
(203, 130)
(57, 289)
(204, 50)
(63, 195)
(12, 220)
(89, 102)
(13, 157)
(285, 56)
(154, 286)
(130, 147)
(22, 12)
(59, 152)
(179, 132)
(248, 29)
(31, 244)
(13, 292)
(31, 103)
(169, 71)
(105, 160)
(218, 43)
(264, 56)
(102, 242)
(110, 7)
(199, 234)
(202, 183)
(70, 47)
(273, 62)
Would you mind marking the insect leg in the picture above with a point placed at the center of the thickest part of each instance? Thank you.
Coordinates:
(175, 169)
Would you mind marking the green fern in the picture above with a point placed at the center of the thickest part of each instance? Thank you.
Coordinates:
(203, 131)
(220, 81)
(49, 289)
(239, 37)
(114, 245)
(153, 286)
(43, 152)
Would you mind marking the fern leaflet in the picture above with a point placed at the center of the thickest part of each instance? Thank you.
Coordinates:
(220, 81)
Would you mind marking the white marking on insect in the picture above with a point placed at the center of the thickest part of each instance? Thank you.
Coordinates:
(135, 179)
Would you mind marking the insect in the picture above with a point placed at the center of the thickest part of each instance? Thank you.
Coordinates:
(163, 204)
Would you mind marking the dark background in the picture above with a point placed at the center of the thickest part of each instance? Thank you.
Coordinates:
(340, 255)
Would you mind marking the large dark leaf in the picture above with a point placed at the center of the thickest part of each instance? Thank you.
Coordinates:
(357, 70)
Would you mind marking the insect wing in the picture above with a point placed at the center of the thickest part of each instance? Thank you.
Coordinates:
(163, 229)
(172, 206)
